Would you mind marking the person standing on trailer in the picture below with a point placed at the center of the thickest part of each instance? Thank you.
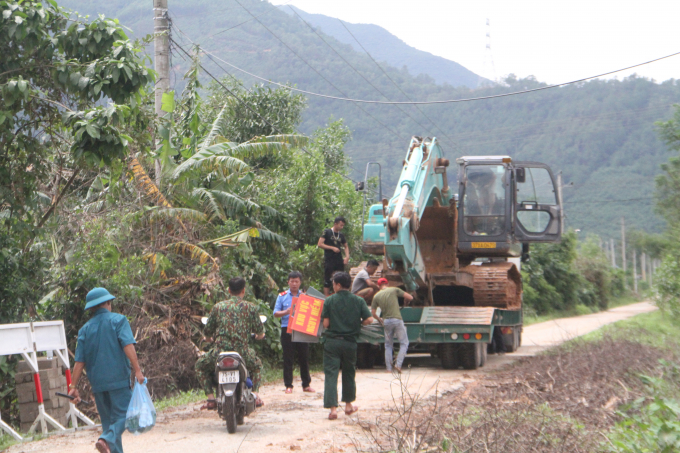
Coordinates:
(106, 349)
(332, 241)
(387, 300)
(282, 310)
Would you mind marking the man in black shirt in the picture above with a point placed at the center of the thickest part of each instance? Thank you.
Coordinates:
(331, 241)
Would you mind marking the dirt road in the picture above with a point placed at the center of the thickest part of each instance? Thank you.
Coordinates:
(298, 421)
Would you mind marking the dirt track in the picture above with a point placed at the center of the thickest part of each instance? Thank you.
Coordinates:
(298, 421)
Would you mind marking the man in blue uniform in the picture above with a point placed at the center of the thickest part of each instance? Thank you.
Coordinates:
(106, 348)
(282, 310)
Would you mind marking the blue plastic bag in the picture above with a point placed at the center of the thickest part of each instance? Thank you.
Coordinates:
(141, 415)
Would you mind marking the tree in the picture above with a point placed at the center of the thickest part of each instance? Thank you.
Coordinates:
(57, 72)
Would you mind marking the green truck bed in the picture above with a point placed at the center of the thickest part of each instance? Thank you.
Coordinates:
(447, 324)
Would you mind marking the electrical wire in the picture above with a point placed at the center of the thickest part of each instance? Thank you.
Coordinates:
(245, 22)
(354, 69)
(447, 101)
(245, 104)
(248, 90)
(315, 70)
(395, 83)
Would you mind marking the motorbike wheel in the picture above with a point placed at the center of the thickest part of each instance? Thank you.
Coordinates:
(229, 409)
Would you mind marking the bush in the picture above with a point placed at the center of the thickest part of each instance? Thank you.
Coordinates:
(667, 286)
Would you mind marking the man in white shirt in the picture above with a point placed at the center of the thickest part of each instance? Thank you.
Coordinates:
(363, 286)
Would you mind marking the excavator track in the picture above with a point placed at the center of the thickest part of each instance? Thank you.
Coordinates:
(497, 285)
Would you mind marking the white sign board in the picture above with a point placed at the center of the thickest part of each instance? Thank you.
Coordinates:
(49, 335)
(16, 339)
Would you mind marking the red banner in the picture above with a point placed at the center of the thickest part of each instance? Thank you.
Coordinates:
(307, 315)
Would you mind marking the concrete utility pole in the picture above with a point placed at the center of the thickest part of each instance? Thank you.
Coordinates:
(559, 201)
(635, 271)
(613, 251)
(623, 244)
(161, 46)
(643, 266)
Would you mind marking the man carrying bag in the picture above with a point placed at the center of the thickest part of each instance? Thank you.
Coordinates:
(106, 348)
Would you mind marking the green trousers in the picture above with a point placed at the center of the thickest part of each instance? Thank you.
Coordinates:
(339, 355)
(112, 407)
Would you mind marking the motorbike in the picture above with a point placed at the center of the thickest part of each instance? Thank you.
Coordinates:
(235, 398)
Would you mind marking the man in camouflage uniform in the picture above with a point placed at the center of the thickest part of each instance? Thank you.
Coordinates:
(230, 324)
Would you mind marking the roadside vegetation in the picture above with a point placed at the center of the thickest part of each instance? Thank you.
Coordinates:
(95, 190)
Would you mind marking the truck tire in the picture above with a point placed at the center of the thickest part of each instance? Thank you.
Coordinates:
(229, 410)
(511, 341)
(448, 353)
(365, 357)
(472, 355)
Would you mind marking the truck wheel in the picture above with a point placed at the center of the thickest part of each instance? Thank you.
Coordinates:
(471, 355)
(365, 356)
(229, 408)
(448, 353)
(511, 340)
(482, 352)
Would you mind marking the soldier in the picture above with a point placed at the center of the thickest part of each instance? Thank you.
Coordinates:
(230, 324)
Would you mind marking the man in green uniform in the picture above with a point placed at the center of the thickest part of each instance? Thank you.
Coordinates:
(343, 315)
(387, 300)
(106, 348)
(230, 324)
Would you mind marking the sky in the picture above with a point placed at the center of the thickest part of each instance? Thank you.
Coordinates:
(555, 41)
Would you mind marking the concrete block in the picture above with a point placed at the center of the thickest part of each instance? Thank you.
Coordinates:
(21, 378)
(26, 397)
(28, 412)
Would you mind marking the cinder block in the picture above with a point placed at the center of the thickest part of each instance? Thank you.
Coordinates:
(46, 364)
(28, 412)
(20, 378)
(26, 397)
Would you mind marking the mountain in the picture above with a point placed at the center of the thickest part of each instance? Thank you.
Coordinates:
(600, 133)
(385, 47)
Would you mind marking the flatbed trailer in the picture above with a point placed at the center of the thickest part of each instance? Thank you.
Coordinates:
(457, 335)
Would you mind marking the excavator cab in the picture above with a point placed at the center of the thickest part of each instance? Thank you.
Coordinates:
(504, 204)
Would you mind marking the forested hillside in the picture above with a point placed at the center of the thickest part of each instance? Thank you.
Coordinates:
(599, 133)
(384, 46)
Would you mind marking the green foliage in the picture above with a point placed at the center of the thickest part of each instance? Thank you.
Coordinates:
(569, 277)
(56, 64)
(667, 285)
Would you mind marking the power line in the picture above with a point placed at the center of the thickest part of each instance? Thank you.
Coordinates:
(394, 83)
(353, 68)
(245, 104)
(608, 201)
(248, 90)
(448, 101)
(246, 21)
(313, 69)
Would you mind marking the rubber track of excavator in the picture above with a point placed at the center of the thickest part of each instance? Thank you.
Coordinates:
(498, 285)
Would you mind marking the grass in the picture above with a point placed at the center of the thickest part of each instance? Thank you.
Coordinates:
(654, 329)
(579, 310)
(180, 399)
(6, 441)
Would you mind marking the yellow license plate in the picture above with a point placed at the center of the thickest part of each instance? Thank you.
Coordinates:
(483, 245)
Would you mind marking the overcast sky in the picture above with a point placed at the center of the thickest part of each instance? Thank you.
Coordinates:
(556, 41)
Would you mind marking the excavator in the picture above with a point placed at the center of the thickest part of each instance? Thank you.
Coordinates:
(459, 252)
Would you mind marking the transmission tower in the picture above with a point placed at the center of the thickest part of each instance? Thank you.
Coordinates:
(489, 66)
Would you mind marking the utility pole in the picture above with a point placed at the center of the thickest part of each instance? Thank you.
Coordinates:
(651, 271)
(635, 271)
(623, 244)
(161, 46)
(559, 201)
(613, 252)
(643, 266)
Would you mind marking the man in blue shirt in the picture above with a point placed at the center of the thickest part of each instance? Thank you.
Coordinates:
(282, 310)
(106, 348)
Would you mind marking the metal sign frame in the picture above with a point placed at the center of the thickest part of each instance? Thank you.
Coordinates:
(28, 339)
